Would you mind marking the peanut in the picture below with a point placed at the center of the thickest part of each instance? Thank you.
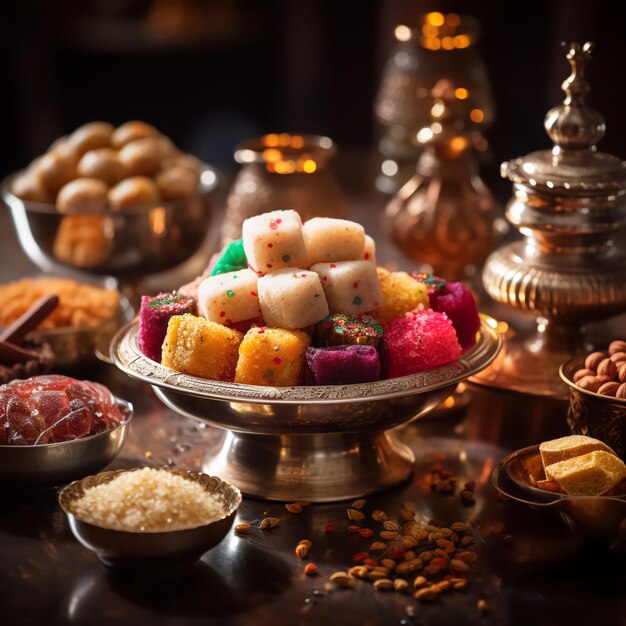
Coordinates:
(426, 595)
(341, 579)
(384, 584)
(420, 581)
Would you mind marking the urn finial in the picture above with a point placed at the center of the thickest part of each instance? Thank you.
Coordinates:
(574, 125)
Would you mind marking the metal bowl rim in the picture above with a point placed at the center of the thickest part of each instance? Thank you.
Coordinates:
(64, 498)
(547, 496)
(565, 374)
(204, 189)
(272, 395)
(106, 433)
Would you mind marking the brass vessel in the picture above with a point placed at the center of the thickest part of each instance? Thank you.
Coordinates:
(445, 216)
(437, 46)
(283, 171)
(570, 205)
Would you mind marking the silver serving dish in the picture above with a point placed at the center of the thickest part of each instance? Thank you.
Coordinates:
(124, 243)
(317, 443)
(151, 550)
(601, 518)
(56, 463)
(79, 347)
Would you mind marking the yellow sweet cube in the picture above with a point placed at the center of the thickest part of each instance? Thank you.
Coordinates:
(194, 345)
(401, 294)
(272, 357)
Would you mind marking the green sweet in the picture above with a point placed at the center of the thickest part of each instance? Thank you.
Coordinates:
(232, 259)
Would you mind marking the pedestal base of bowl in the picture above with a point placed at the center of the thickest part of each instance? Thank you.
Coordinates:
(320, 467)
(316, 468)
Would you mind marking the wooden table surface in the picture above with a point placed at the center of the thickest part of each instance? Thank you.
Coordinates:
(546, 575)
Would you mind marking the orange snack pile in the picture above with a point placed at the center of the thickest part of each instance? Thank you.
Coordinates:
(79, 304)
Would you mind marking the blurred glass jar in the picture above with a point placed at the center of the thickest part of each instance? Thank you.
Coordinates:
(440, 46)
(282, 171)
(444, 216)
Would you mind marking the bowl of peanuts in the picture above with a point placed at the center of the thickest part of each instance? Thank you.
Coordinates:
(119, 201)
(81, 326)
(597, 400)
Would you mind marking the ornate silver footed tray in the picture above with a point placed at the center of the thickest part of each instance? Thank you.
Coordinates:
(320, 444)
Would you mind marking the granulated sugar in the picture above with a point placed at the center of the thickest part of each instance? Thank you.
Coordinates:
(148, 500)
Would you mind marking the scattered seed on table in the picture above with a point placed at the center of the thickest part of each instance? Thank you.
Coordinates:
(310, 569)
(355, 515)
(242, 528)
(302, 549)
(383, 584)
(341, 579)
(269, 522)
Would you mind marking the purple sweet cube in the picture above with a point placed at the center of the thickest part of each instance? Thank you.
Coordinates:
(342, 365)
(154, 314)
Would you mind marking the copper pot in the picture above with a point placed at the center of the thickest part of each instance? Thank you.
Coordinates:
(282, 171)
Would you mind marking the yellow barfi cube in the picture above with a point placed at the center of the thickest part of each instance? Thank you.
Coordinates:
(401, 294)
(196, 346)
(272, 357)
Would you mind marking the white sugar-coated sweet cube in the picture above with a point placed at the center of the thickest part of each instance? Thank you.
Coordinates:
(292, 298)
(351, 287)
(328, 239)
(274, 240)
(229, 297)
(369, 253)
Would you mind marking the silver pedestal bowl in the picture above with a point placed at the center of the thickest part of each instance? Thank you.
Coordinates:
(320, 444)
(123, 244)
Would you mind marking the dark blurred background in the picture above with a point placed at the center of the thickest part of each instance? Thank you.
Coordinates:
(209, 73)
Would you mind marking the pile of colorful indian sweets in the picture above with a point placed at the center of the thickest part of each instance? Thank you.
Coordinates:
(293, 303)
(581, 466)
(53, 408)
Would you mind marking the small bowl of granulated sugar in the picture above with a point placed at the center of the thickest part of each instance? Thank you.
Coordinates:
(150, 518)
